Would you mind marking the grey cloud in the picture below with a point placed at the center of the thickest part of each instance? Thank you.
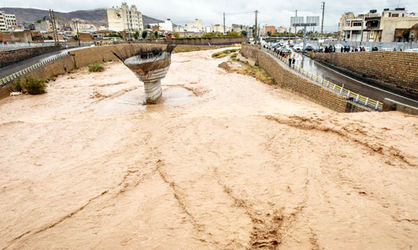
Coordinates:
(210, 11)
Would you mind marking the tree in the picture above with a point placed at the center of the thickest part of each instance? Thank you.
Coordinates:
(144, 34)
(243, 33)
(156, 34)
(136, 35)
(176, 35)
(268, 33)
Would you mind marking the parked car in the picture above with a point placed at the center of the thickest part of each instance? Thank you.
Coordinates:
(298, 47)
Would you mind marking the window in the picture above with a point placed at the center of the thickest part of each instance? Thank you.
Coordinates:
(395, 15)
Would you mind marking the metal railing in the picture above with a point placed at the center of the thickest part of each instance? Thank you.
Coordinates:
(20, 73)
(351, 95)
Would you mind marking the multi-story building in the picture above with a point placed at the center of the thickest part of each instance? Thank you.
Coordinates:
(217, 28)
(281, 29)
(196, 26)
(7, 21)
(342, 23)
(239, 28)
(82, 26)
(43, 25)
(125, 18)
(396, 25)
(167, 25)
(268, 29)
(392, 26)
(352, 29)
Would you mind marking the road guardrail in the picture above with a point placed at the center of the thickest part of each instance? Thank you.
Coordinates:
(20, 73)
(353, 96)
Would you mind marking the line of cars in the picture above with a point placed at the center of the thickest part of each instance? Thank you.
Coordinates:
(324, 47)
(278, 47)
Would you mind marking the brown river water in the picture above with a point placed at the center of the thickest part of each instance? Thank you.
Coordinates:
(223, 162)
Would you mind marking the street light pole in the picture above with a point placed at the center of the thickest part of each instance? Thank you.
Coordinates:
(224, 24)
(256, 26)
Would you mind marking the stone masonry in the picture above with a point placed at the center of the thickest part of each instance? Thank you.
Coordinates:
(394, 70)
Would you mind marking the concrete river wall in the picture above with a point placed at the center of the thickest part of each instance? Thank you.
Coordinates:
(304, 87)
(397, 71)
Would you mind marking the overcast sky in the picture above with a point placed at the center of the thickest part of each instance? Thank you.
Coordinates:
(273, 12)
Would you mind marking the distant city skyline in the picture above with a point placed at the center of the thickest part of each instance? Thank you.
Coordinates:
(276, 13)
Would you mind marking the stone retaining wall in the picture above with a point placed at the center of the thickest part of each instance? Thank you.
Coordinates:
(397, 71)
(290, 80)
(14, 56)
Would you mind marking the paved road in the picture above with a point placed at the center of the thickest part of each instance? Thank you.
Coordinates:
(13, 68)
(351, 83)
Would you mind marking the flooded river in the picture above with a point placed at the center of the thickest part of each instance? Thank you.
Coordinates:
(223, 162)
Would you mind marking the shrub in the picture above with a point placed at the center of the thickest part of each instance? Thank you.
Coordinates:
(96, 68)
(223, 53)
(33, 86)
(18, 86)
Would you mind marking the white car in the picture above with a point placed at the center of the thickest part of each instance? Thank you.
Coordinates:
(298, 47)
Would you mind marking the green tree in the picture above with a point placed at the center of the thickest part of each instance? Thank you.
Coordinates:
(268, 33)
(243, 33)
(144, 34)
(176, 35)
(156, 34)
(136, 35)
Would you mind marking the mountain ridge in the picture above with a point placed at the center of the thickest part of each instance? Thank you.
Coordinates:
(97, 17)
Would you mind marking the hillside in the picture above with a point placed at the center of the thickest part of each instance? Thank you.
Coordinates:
(97, 16)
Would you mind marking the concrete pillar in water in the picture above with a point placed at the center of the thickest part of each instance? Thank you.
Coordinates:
(152, 84)
(150, 66)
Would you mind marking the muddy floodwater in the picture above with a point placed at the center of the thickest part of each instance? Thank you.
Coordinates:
(223, 162)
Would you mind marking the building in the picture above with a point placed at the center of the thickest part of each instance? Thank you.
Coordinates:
(239, 28)
(125, 18)
(396, 25)
(281, 29)
(43, 25)
(167, 26)
(342, 23)
(17, 36)
(178, 28)
(392, 26)
(82, 26)
(7, 21)
(217, 28)
(269, 29)
(196, 26)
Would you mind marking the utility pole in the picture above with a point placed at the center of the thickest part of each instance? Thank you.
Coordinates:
(322, 21)
(54, 26)
(78, 34)
(256, 26)
(224, 24)
(296, 15)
